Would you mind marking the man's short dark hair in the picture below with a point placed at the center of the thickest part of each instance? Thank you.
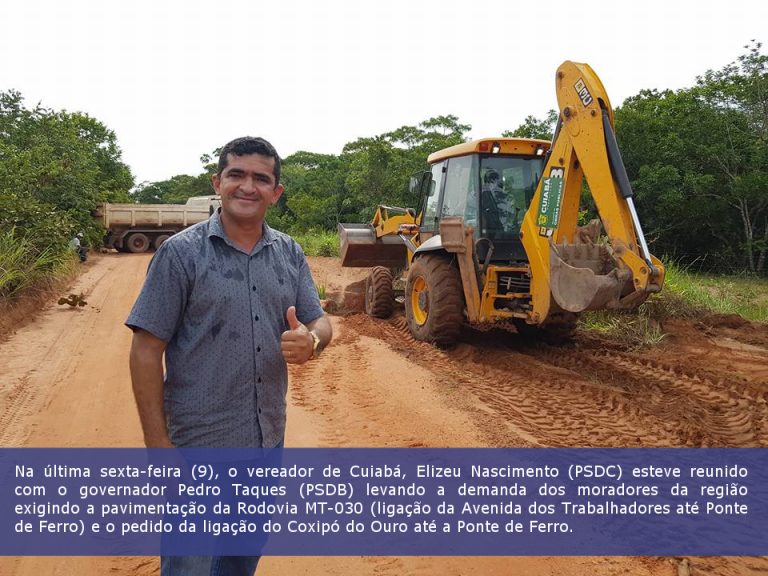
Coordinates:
(249, 145)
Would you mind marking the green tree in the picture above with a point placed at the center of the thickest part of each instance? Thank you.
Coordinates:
(324, 189)
(316, 194)
(532, 127)
(178, 188)
(698, 161)
(55, 167)
(175, 190)
(738, 95)
(380, 167)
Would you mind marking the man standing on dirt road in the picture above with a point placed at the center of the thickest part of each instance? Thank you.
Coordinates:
(228, 302)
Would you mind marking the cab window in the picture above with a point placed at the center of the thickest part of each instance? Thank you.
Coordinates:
(432, 197)
(460, 196)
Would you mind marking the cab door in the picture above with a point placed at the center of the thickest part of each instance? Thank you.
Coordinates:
(432, 192)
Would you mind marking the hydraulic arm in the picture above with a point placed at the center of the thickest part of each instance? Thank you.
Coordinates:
(570, 270)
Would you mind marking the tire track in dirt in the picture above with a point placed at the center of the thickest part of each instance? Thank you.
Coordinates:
(589, 393)
(733, 349)
(517, 393)
(567, 396)
(17, 404)
(66, 375)
(315, 387)
(453, 378)
(727, 355)
(344, 390)
(703, 412)
(26, 386)
(376, 386)
(24, 389)
(737, 566)
(540, 405)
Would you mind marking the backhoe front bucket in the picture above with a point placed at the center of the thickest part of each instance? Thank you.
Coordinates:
(577, 282)
(360, 248)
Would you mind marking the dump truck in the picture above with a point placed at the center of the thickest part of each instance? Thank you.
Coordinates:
(139, 227)
(496, 237)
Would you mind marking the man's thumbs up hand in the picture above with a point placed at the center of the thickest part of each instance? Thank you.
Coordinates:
(296, 342)
(293, 322)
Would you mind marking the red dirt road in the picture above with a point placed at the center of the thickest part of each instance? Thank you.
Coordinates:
(64, 382)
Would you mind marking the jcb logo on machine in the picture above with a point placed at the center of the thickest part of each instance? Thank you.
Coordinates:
(549, 203)
(581, 88)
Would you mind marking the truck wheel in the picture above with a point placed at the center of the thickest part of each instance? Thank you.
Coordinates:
(159, 240)
(137, 243)
(379, 295)
(434, 300)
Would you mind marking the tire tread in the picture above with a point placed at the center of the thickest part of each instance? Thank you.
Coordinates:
(446, 311)
(383, 301)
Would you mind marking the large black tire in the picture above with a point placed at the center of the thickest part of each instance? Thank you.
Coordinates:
(137, 243)
(434, 300)
(379, 294)
(158, 241)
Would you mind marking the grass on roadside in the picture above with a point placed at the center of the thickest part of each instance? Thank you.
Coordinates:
(24, 267)
(318, 242)
(29, 278)
(746, 296)
(685, 295)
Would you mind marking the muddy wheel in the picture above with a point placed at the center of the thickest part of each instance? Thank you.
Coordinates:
(434, 300)
(379, 295)
(159, 241)
(137, 243)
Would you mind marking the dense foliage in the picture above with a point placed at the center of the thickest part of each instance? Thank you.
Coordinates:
(326, 189)
(177, 189)
(54, 168)
(698, 159)
(533, 127)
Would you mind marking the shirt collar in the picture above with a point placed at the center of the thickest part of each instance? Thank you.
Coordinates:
(267, 234)
(215, 228)
(214, 225)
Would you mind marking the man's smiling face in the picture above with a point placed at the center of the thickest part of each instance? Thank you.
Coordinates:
(247, 187)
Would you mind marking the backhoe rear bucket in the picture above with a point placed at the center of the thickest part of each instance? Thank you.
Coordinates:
(360, 248)
(576, 279)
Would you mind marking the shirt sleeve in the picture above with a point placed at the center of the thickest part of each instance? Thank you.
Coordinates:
(163, 298)
(308, 306)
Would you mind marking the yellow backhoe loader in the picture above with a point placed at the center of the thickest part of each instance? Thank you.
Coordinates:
(497, 235)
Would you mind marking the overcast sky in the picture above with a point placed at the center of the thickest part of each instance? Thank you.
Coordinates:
(178, 78)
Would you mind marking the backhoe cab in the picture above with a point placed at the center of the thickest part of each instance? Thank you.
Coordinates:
(496, 237)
